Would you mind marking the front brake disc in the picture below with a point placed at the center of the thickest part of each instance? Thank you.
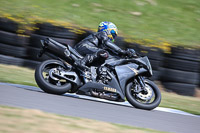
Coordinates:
(146, 96)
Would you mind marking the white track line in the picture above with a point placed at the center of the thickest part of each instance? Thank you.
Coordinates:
(102, 100)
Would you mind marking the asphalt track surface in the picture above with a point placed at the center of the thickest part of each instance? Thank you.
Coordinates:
(108, 112)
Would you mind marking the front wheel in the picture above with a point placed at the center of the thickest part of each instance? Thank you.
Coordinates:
(147, 100)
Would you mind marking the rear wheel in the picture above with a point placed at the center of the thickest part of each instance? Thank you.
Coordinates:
(47, 79)
(148, 99)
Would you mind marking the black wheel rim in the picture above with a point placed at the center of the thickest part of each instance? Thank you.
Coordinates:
(147, 97)
(48, 75)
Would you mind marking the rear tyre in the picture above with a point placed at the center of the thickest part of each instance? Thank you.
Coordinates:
(46, 82)
(153, 97)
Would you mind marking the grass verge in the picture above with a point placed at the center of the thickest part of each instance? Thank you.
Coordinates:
(174, 21)
(20, 75)
(35, 121)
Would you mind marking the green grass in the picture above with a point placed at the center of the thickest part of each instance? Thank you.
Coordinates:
(17, 75)
(184, 103)
(20, 75)
(174, 21)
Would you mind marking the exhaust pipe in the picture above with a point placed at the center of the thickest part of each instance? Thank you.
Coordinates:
(57, 49)
(104, 95)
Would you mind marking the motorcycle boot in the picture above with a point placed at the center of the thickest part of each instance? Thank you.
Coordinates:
(82, 63)
(90, 58)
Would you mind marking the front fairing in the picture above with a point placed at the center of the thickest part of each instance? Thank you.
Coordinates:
(142, 61)
(127, 72)
(130, 70)
(146, 63)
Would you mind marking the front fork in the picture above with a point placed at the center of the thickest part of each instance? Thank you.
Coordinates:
(141, 82)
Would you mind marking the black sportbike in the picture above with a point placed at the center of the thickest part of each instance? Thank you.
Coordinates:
(117, 80)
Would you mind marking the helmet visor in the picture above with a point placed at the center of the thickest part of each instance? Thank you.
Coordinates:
(113, 33)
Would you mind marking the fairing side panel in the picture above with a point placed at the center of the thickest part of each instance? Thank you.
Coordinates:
(115, 84)
(126, 72)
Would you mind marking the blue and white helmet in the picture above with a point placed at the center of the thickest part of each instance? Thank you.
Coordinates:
(109, 28)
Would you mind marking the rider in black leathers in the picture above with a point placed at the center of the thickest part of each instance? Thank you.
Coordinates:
(99, 46)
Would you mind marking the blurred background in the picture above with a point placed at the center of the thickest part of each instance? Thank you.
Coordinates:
(166, 31)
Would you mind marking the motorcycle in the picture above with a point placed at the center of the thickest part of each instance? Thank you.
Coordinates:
(116, 80)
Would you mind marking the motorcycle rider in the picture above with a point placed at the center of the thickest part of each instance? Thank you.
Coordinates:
(99, 46)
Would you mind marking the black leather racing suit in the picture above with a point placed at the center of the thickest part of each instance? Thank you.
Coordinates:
(97, 43)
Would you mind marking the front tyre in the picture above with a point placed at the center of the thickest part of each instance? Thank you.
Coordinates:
(148, 100)
(47, 82)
